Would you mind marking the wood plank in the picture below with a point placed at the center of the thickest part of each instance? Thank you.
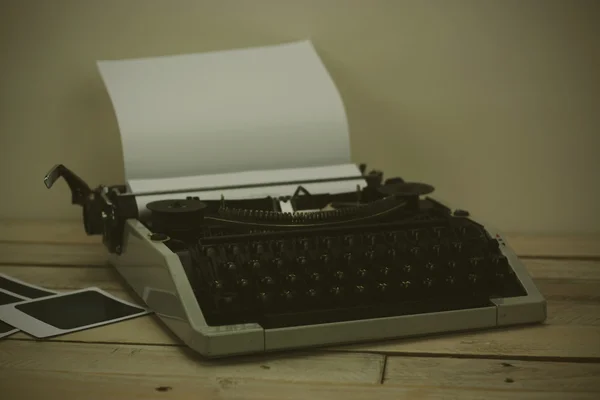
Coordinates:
(78, 385)
(45, 232)
(71, 233)
(493, 374)
(535, 342)
(75, 370)
(555, 246)
(563, 269)
(573, 312)
(67, 278)
(180, 363)
(52, 254)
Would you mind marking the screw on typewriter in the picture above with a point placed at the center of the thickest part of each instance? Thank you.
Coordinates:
(104, 211)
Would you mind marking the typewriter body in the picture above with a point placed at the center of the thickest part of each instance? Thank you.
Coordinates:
(386, 261)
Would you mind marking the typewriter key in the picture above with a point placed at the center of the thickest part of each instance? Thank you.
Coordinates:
(439, 232)
(382, 287)
(349, 240)
(259, 248)
(230, 266)
(336, 291)
(288, 295)
(301, 260)
(392, 253)
(267, 280)
(457, 246)
(304, 244)
(327, 243)
(263, 297)
(348, 258)
(475, 262)
(243, 283)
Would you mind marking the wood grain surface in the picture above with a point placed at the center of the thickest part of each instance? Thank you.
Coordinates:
(139, 358)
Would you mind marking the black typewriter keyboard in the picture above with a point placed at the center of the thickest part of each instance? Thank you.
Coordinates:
(303, 278)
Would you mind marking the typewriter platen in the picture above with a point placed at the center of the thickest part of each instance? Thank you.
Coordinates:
(310, 269)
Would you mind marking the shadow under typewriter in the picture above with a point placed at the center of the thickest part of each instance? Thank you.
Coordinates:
(247, 276)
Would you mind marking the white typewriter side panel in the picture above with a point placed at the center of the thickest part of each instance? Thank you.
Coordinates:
(527, 309)
(518, 310)
(514, 310)
(156, 274)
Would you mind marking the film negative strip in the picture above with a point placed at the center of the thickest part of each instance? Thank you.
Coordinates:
(63, 313)
(7, 297)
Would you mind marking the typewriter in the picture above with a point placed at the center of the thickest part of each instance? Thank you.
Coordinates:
(241, 276)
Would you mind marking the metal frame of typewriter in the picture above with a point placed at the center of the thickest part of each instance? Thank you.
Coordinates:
(146, 264)
(157, 275)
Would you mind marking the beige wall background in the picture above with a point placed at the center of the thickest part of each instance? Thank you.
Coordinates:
(495, 103)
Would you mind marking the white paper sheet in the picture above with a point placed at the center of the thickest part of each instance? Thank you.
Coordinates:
(184, 119)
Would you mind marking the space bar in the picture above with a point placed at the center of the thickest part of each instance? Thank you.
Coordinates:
(313, 317)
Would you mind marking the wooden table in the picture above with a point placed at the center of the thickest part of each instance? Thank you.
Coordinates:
(140, 359)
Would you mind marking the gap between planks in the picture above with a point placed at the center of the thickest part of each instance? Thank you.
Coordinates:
(128, 366)
(326, 350)
(53, 385)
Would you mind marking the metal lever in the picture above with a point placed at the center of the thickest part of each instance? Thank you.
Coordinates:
(103, 213)
(93, 202)
(80, 191)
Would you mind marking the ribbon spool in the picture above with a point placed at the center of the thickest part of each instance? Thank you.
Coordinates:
(177, 218)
